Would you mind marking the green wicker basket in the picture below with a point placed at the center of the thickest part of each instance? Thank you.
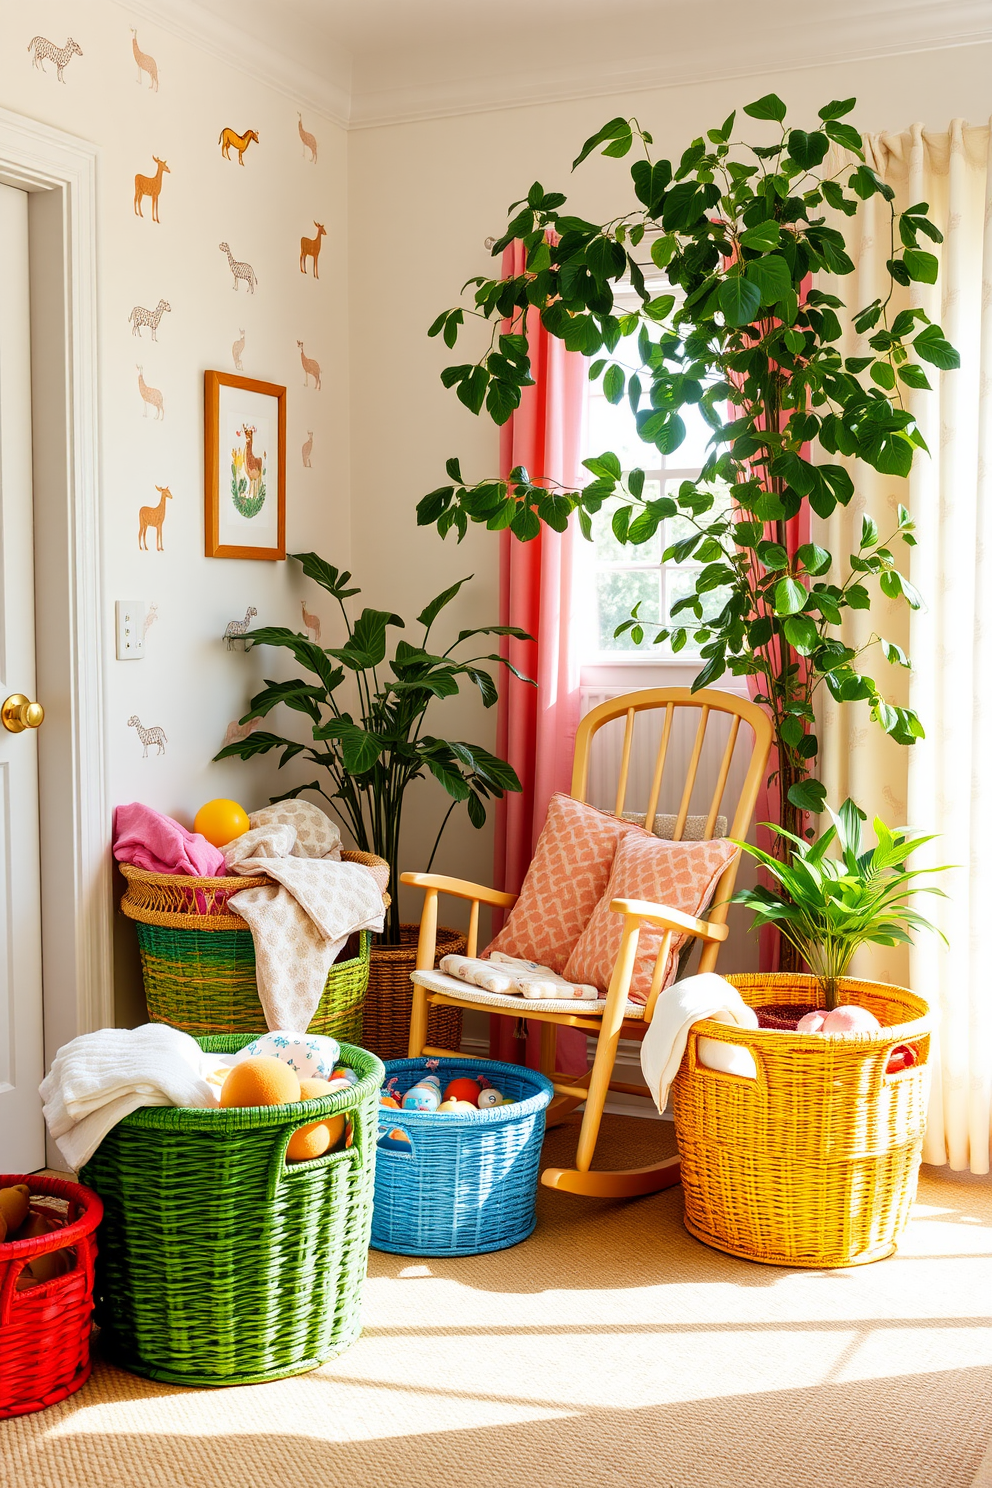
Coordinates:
(198, 958)
(219, 1264)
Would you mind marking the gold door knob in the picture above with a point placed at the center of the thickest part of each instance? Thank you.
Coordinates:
(19, 713)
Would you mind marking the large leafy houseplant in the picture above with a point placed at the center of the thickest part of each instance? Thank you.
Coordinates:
(373, 747)
(740, 230)
(827, 904)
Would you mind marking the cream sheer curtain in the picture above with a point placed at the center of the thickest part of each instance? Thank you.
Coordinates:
(942, 784)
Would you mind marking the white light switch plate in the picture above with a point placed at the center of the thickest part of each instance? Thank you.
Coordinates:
(130, 629)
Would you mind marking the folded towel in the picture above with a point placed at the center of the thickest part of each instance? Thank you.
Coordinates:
(317, 836)
(509, 975)
(99, 1078)
(301, 922)
(156, 843)
(678, 1007)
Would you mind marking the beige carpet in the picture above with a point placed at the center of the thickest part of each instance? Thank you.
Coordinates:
(610, 1349)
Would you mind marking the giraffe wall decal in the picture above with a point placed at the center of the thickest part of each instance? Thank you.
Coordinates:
(153, 516)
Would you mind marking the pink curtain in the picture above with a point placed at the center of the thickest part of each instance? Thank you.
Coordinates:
(536, 726)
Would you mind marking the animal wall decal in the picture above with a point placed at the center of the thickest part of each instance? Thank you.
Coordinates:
(151, 615)
(141, 317)
(310, 248)
(309, 143)
(240, 270)
(150, 395)
(145, 63)
(154, 735)
(310, 368)
(308, 446)
(150, 186)
(153, 516)
(311, 623)
(235, 629)
(240, 142)
(236, 731)
(236, 351)
(46, 51)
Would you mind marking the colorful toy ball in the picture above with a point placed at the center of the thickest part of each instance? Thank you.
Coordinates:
(456, 1108)
(342, 1072)
(221, 821)
(422, 1097)
(463, 1089)
(489, 1097)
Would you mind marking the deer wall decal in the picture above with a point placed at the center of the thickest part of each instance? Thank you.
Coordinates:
(310, 248)
(153, 516)
(150, 186)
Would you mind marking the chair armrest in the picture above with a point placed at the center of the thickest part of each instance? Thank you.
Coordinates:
(669, 919)
(461, 888)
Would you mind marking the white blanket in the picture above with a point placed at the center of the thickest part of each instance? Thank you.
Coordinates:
(99, 1078)
(510, 975)
(678, 1007)
(300, 922)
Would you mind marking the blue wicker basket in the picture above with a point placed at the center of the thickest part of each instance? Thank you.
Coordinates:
(461, 1184)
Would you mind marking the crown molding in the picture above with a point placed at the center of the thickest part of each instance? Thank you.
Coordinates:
(328, 96)
(920, 26)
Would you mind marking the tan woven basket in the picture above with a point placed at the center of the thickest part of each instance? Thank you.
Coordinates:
(389, 999)
(814, 1162)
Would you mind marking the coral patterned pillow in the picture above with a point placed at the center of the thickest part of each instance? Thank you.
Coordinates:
(565, 881)
(678, 875)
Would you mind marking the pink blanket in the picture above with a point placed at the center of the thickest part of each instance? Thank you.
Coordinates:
(156, 843)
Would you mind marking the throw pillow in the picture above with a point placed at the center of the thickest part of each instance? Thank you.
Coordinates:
(564, 883)
(677, 875)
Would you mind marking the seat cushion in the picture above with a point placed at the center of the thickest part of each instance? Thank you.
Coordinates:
(564, 883)
(676, 875)
(437, 981)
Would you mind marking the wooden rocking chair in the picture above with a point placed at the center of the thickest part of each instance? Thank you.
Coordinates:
(619, 1019)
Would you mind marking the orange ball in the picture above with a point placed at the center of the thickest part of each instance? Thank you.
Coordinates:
(316, 1139)
(221, 821)
(260, 1081)
(463, 1089)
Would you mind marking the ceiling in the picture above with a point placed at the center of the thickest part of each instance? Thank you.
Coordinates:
(370, 62)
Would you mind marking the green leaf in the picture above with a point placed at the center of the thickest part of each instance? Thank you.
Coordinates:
(920, 265)
(933, 347)
(789, 597)
(662, 250)
(326, 575)
(837, 108)
(472, 389)
(807, 150)
(257, 743)
(845, 135)
(613, 384)
(808, 795)
(739, 299)
(801, 632)
(617, 129)
(771, 275)
(768, 107)
(431, 611)
(913, 375)
(762, 237)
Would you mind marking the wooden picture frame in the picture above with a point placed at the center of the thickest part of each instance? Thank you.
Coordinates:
(242, 418)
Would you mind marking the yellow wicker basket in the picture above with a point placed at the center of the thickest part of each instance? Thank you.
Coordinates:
(814, 1162)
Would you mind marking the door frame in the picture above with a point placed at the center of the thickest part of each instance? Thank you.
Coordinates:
(59, 171)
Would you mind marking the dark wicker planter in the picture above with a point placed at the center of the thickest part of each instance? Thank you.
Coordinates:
(386, 1018)
(784, 1015)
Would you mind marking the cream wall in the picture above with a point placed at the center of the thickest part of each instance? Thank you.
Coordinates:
(188, 683)
(423, 197)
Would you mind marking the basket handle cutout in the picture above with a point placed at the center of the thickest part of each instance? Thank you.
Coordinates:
(281, 1171)
(746, 1066)
(395, 1141)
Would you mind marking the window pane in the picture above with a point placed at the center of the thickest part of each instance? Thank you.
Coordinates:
(616, 593)
(612, 427)
(681, 582)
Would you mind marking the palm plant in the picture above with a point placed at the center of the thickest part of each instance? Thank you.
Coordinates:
(372, 754)
(827, 906)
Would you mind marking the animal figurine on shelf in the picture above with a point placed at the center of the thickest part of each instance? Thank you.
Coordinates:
(311, 623)
(153, 735)
(240, 142)
(140, 317)
(150, 186)
(309, 143)
(153, 516)
(46, 51)
(150, 395)
(240, 270)
(236, 629)
(145, 63)
(310, 248)
(310, 368)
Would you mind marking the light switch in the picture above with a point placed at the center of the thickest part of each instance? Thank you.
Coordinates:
(130, 629)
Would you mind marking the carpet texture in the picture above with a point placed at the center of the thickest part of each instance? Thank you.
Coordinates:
(610, 1350)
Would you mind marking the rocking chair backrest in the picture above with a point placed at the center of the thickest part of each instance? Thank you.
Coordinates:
(706, 702)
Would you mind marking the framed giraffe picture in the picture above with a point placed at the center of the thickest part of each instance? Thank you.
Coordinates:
(244, 457)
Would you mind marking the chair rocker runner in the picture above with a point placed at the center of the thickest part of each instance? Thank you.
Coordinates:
(619, 1018)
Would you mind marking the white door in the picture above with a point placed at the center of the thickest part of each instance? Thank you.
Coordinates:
(22, 1138)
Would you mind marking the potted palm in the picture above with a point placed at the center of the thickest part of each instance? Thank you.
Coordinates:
(828, 904)
(368, 741)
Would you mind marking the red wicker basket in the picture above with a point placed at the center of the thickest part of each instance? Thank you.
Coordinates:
(45, 1329)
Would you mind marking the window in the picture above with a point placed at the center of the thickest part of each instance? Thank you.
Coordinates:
(617, 575)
